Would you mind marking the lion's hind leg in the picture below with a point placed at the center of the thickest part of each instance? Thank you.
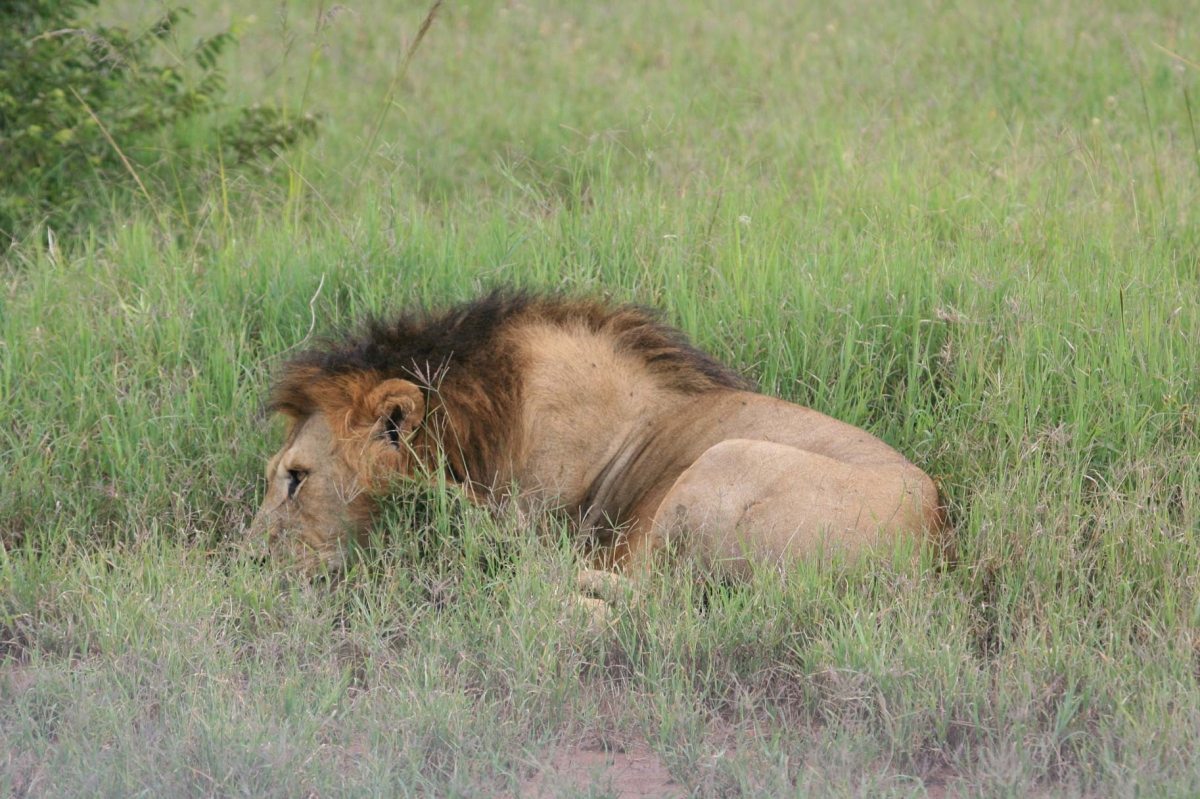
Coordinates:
(745, 502)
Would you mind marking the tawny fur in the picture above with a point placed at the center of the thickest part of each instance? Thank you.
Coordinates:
(601, 413)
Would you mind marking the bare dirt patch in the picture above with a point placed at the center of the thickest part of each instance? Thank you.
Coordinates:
(629, 773)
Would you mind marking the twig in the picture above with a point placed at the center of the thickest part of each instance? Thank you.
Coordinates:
(312, 321)
(336, 219)
(1176, 56)
(124, 160)
(312, 313)
(396, 77)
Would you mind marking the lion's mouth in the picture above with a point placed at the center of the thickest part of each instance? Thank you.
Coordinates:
(295, 554)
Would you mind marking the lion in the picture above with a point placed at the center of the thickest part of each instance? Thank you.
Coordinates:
(602, 413)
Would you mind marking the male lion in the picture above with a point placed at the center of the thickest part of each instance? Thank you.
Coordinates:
(602, 413)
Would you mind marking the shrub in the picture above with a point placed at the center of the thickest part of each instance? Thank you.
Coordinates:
(70, 97)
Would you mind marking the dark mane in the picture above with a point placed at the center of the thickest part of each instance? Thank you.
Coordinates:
(462, 357)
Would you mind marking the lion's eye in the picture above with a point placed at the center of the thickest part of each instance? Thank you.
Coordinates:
(295, 478)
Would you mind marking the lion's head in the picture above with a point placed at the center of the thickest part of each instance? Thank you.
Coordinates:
(358, 422)
(348, 438)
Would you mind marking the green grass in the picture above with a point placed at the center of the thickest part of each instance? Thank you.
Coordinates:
(970, 229)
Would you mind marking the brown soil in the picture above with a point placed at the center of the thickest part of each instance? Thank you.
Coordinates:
(630, 774)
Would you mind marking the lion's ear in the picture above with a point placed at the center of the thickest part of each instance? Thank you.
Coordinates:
(395, 407)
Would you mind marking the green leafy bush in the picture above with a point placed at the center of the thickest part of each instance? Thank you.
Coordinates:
(261, 130)
(76, 102)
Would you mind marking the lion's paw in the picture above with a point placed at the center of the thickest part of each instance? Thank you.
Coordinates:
(601, 594)
(597, 612)
(612, 588)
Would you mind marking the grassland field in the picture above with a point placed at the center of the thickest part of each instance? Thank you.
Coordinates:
(971, 228)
